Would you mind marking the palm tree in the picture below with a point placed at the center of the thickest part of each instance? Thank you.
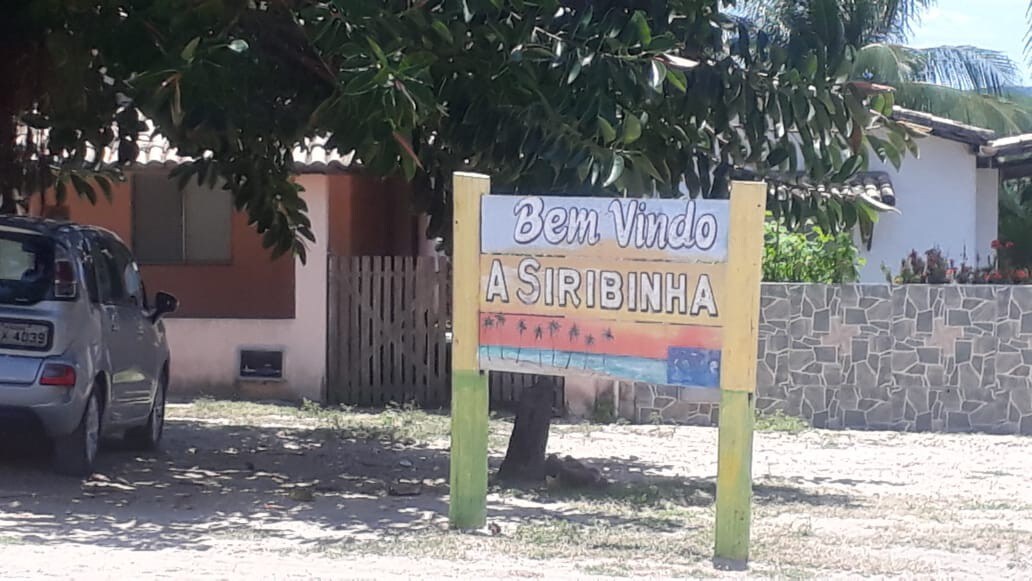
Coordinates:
(608, 337)
(521, 327)
(553, 329)
(573, 334)
(500, 322)
(488, 325)
(539, 333)
(963, 83)
(589, 341)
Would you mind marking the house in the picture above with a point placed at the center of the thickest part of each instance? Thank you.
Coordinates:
(247, 325)
(947, 197)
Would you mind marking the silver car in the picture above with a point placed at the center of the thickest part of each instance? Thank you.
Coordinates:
(83, 353)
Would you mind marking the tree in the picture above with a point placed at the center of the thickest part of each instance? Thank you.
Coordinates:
(488, 325)
(965, 83)
(635, 97)
(539, 334)
(500, 324)
(607, 337)
(521, 328)
(589, 342)
(612, 96)
(572, 335)
(554, 327)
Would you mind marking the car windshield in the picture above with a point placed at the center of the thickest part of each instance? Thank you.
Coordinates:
(26, 267)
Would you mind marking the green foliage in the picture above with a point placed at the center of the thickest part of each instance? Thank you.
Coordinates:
(809, 256)
(1016, 218)
(604, 97)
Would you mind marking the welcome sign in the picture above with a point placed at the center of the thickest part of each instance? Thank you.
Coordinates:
(629, 289)
(656, 291)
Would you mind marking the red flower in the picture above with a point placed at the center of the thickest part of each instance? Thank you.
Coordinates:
(1009, 245)
(1020, 274)
(995, 244)
(996, 275)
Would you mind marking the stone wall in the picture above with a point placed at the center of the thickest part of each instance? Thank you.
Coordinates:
(913, 357)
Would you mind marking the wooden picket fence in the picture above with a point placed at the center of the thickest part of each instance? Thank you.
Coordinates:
(387, 335)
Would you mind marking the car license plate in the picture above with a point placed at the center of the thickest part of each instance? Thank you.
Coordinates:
(18, 335)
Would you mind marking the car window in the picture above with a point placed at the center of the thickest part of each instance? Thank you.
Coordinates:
(132, 282)
(26, 267)
(89, 271)
(110, 284)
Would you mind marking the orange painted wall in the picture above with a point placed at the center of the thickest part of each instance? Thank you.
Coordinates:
(367, 217)
(371, 217)
(252, 286)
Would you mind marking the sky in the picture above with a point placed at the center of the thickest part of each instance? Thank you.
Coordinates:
(994, 24)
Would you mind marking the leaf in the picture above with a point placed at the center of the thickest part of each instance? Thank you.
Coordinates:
(643, 162)
(631, 128)
(61, 190)
(442, 29)
(575, 70)
(375, 47)
(84, 188)
(677, 79)
(407, 146)
(584, 170)
(190, 49)
(641, 26)
(849, 168)
(238, 45)
(778, 155)
(105, 186)
(177, 105)
(615, 172)
(810, 66)
(657, 74)
(607, 130)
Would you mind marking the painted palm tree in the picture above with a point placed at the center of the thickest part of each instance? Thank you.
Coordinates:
(499, 322)
(553, 329)
(607, 337)
(589, 342)
(539, 334)
(521, 328)
(963, 83)
(488, 325)
(573, 334)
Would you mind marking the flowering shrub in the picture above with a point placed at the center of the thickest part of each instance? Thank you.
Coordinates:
(934, 268)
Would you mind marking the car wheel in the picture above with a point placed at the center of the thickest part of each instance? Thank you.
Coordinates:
(148, 437)
(75, 453)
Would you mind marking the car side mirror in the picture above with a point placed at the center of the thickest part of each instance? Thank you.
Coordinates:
(164, 304)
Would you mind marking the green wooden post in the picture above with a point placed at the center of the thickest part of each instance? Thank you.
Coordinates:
(469, 406)
(738, 374)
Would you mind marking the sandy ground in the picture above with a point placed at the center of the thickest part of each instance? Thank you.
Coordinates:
(251, 491)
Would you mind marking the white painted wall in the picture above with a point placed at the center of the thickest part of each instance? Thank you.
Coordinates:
(205, 351)
(936, 195)
(987, 208)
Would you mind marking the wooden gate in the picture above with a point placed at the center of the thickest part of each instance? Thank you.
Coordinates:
(388, 335)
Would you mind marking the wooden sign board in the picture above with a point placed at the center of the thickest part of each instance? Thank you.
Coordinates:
(636, 289)
(620, 288)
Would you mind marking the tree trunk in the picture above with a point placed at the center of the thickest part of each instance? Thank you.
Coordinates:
(524, 462)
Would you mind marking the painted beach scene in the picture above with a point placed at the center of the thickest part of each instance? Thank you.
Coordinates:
(680, 355)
